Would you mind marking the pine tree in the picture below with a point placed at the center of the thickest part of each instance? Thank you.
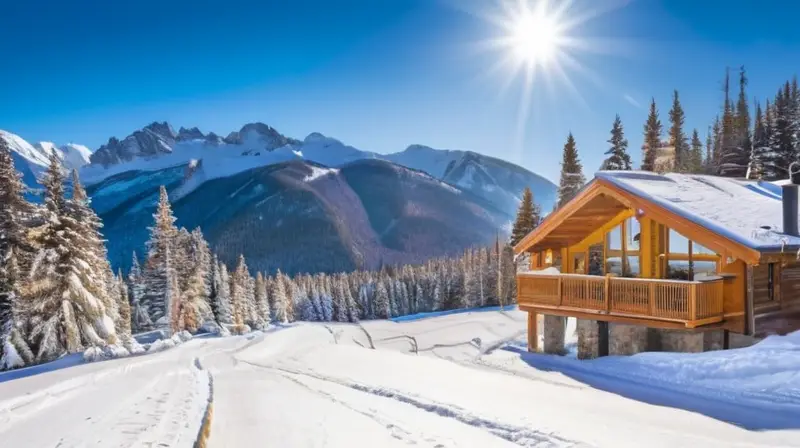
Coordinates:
(172, 294)
(782, 150)
(716, 147)
(677, 138)
(281, 300)
(695, 164)
(618, 158)
(163, 236)
(14, 209)
(381, 301)
(652, 138)
(238, 292)
(136, 289)
(760, 146)
(67, 294)
(730, 155)
(736, 141)
(528, 217)
(193, 304)
(262, 301)
(325, 300)
(223, 304)
(572, 179)
(14, 350)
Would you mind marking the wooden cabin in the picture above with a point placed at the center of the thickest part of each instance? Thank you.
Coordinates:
(668, 251)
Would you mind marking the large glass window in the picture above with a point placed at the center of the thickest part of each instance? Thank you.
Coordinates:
(614, 251)
(686, 259)
(632, 243)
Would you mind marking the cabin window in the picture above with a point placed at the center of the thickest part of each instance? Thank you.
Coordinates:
(614, 251)
(686, 259)
(632, 243)
(622, 249)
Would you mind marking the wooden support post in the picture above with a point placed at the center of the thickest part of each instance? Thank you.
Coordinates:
(560, 296)
(726, 339)
(651, 297)
(533, 332)
(693, 302)
(607, 293)
(749, 311)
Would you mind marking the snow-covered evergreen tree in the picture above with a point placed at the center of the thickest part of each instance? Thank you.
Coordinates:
(223, 304)
(262, 302)
(14, 350)
(782, 137)
(193, 304)
(67, 289)
(281, 299)
(140, 317)
(528, 217)
(381, 304)
(572, 179)
(760, 146)
(14, 210)
(173, 319)
(163, 236)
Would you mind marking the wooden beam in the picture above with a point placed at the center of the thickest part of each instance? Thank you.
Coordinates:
(749, 311)
(609, 318)
(533, 331)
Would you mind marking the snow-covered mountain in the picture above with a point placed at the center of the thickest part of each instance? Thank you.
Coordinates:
(157, 147)
(32, 159)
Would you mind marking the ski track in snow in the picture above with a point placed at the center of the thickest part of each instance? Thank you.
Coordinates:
(321, 385)
(522, 436)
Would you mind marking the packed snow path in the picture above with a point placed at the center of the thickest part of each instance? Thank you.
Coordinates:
(450, 381)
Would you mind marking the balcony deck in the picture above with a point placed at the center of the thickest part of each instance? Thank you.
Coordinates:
(688, 304)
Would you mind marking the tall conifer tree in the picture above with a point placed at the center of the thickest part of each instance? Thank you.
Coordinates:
(618, 158)
(572, 179)
(652, 138)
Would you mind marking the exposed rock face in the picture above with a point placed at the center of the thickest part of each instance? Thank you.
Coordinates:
(259, 136)
(190, 134)
(153, 139)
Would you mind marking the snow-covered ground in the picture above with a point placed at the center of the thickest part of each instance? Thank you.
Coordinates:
(456, 380)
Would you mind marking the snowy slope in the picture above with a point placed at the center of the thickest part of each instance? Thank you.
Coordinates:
(31, 160)
(306, 217)
(464, 385)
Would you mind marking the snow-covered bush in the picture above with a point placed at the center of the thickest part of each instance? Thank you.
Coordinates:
(160, 345)
(112, 351)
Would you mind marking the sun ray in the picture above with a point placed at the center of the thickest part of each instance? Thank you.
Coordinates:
(539, 41)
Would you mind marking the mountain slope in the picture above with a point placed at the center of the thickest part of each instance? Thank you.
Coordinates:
(299, 216)
(498, 181)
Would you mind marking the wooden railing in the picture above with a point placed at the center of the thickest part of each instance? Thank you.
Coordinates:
(689, 302)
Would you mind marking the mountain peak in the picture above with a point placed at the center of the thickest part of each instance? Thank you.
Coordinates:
(163, 129)
(258, 135)
(192, 133)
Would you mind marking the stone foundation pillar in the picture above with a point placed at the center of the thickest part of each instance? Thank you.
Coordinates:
(554, 330)
(592, 339)
(681, 341)
(626, 339)
(713, 340)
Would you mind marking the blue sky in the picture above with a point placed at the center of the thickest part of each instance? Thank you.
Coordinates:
(376, 74)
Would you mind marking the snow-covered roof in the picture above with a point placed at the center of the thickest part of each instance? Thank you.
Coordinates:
(748, 212)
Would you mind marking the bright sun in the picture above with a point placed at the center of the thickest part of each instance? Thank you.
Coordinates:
(535, 37)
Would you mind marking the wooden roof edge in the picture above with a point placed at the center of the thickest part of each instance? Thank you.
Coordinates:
(559, 215)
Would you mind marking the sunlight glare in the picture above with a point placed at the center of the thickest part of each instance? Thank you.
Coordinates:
(535, 38)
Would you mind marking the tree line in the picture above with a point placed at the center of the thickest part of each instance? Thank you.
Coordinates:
(182, 285)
